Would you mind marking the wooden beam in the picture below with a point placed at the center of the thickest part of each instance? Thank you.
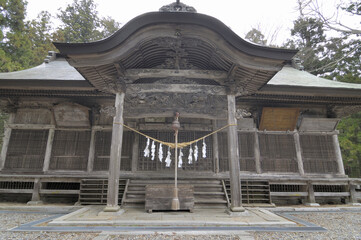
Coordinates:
(134, 74)
(115, 155)
(176, 88)
(296, 138)
(233, 157)
(336, 145)
(91, 151)
(6, 141)
(49, 146)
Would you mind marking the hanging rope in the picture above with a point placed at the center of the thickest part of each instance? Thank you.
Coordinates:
(172, 145)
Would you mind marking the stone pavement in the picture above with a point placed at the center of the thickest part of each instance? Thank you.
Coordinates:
(93, 216)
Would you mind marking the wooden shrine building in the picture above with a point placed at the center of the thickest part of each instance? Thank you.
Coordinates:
(64, 139)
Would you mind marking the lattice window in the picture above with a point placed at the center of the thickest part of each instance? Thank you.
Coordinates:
(278, 153)
(318, 154)
(26, 150)
(102, 151)
(246, 151)
(203, 164)
(223, 151)
(70, 150)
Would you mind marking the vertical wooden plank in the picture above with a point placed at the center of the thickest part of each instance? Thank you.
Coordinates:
(135, 153)
(6, 140)
(91, 156)
(336, 145)
(233, 156)
(296, 137)
(115, 155)
(257, 154)
(215, 148)
(49, 146)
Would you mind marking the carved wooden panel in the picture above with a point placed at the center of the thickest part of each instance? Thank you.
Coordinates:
(70, 150)
(278, 153)
(71, 115)
(279, 119)
(32, 116)
(102, 151)
(318, 154)
(26, 150)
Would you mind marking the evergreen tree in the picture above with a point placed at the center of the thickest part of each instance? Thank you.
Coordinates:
(256, 36)
(15, 46)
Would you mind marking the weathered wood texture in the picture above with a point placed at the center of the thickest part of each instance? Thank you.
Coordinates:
(296, 138)
(279, 119)
(159, 197)
(233, 154)
(318, 124)
(318, 154)
(116, 153)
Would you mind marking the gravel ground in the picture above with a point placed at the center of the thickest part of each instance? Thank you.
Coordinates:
(339, 225)
(345, 225)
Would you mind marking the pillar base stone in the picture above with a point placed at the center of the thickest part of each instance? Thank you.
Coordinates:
(237, 211)
(355, 204)
(35, 203)
(111, 211)
(312, 204)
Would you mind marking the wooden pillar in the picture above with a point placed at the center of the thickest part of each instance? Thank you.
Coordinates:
(233, 157)
(115, 155)
(257, 154)
(311, 200)
(49, 146)
(135, 152)
(91, 156)
(215, 148)
(296, 137)
(35, 198)
(336, 145)
(6, 141)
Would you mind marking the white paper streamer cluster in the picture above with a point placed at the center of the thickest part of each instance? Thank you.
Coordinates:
(193, 153)
(146, 150)
(180, 160)
(167, 159)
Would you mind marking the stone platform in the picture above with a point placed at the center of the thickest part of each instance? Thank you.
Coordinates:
(93, 216)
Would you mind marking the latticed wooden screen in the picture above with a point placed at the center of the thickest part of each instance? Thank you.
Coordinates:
(246, 151)
(102, 151)
(223, 151)
(70, 150)
(278, 153)
(318, 154)
(203, 164)
(26, 150)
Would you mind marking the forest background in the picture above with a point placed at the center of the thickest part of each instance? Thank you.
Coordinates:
(328, 48)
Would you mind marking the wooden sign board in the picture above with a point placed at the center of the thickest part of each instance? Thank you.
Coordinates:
(318, 124)
(279, 119)
(71, 115)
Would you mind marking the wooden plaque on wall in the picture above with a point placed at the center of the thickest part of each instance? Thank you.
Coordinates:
(279, 119)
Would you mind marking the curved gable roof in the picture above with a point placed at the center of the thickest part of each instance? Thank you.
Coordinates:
(154, 18)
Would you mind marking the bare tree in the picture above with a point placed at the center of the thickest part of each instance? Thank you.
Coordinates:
(314, 9)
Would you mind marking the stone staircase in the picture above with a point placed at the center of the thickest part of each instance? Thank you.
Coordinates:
(208, 193)
(254, 192)
(94, 191)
